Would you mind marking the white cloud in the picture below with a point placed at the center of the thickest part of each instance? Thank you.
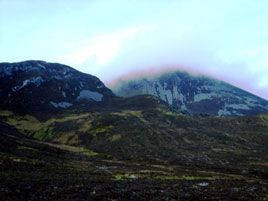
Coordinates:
(101, 49)
(266, 63)
(255, 52)
(263, 82)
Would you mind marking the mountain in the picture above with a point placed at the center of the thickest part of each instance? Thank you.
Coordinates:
(38, 85)
(196, 94)
(65, 136)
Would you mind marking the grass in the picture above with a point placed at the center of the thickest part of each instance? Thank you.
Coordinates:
(70, 138)
(26, 122)
(115, 137)
(5, 113)
(29, 125)
(198, 178)
(123, 113)
(77, 149)
(42, 134)
(27, 148)
(99, 130)
(166, 177)
(61, 130)
(67, 118)
(265, 117)
(165, 111)
(123, 176)
(184, 177)
(85, 125)
(169, 168)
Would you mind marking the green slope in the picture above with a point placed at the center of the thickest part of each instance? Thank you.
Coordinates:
(148, 130)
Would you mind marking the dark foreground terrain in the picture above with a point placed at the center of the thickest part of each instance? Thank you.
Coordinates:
(33, 170)
(132, 149)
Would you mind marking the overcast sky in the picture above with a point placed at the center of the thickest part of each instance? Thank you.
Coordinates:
(225, 39)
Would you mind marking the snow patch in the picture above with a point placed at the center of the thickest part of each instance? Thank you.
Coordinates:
(238, 106)
(67, 73)
(100, 86)
(238, 114)
(64, 94)
(37, 81)
(61, 104)
(52, 70)
(204, 96)
(41, 66)
(163, 93)
(9, 69)
(251, 102)
(58, 77)
(224, 112)
(216, 87)
(203, 184)
(148, 89)
(179, 96)
(6, 71)
(90, 95)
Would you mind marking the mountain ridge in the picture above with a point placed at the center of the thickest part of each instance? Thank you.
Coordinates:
(39, 84)
(197, 94)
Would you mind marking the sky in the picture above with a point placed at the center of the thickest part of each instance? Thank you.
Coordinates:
(224, 39)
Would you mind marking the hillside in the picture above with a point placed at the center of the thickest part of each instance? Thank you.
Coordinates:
(149, 131)
(133, 151)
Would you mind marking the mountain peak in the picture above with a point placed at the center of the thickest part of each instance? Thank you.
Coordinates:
(39, 84)
(195, 93)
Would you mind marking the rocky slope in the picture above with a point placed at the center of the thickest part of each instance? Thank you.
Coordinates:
(38, 85)
(196, 94)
